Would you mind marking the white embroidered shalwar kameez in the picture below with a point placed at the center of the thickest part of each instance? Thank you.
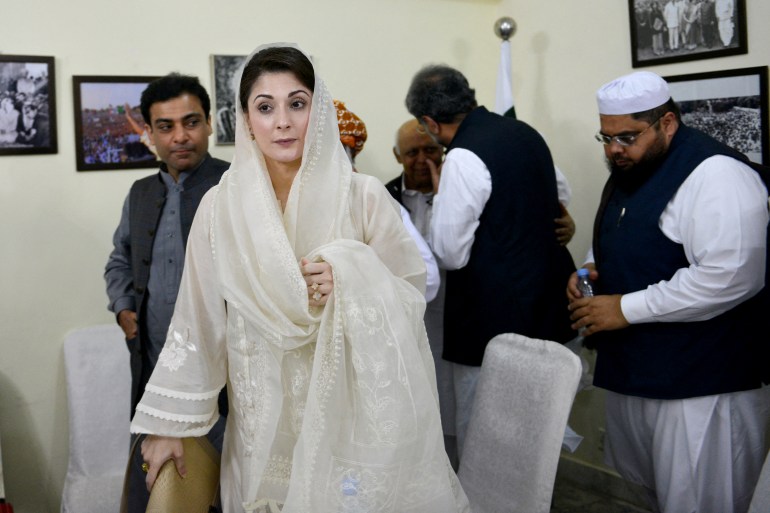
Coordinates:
(332, 409)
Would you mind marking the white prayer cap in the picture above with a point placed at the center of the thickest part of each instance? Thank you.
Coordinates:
(629, 94)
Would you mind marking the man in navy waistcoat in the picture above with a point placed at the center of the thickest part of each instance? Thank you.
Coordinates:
(492, 228)
(679, 263)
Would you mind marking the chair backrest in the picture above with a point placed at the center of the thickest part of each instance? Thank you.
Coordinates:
(760, 502)
(96, 363)
(523, 400)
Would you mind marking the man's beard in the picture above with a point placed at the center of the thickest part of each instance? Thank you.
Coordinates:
(633, 176)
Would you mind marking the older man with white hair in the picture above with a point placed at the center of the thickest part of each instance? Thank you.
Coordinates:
(679, 260)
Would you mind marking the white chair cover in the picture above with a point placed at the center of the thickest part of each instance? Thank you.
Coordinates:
(96, 363)
(760, 502)
(522, 404)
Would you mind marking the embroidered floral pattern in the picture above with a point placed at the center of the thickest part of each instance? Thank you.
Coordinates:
(296, 369)
(278, 470)
(381, 404)
(249, 389)
(174, 353)
(357, 488)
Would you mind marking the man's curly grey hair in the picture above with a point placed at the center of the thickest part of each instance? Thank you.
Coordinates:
(441, 93)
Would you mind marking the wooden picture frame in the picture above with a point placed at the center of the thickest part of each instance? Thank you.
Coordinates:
(27, 105)
(109, 135)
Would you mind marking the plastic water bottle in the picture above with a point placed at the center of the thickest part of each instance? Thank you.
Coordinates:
(585, 288)
(584, 283)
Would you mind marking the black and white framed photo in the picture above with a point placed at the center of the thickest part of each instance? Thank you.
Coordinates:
(109, 128)
(665, 31)
(224, 68)
(729, 105)
(27, 105)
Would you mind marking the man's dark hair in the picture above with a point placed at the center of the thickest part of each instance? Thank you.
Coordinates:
(173, 86)
(441, 93)
(278, 59)
(652, 115)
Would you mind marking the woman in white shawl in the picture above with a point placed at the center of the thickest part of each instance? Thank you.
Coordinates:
(302, 293)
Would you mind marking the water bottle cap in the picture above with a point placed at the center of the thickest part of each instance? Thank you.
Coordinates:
(583, 272)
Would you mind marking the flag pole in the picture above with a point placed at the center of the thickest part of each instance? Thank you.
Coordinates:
(505, 28)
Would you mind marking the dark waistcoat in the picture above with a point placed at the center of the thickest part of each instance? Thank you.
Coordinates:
(515, 279)
(666, 360)
(146, 200)
(394, 187)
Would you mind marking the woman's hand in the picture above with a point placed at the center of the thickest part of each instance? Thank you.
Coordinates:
(319, 279)
(157, 450)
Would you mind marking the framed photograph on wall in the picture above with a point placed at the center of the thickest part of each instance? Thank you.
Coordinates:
(224, 68)
(665, 31)
(729, 105)
(109, 128)
(27, 105)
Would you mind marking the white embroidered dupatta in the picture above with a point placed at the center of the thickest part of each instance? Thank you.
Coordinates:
(332, 409)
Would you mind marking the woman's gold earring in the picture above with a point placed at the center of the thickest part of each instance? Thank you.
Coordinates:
(252, 136)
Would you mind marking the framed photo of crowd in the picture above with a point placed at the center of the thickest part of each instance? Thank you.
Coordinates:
(27, 105)
(665, 31)
(109, 128)
(224, 68)
(730, 105)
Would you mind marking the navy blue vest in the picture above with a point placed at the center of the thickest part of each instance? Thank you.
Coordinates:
(515, 279)
(671, 360)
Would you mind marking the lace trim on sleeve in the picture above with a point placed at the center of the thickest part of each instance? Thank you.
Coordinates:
(164, 415)
(138, 427)
(175, 394)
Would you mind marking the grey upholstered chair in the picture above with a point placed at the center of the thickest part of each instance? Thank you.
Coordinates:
(96, 363)
(514, 439)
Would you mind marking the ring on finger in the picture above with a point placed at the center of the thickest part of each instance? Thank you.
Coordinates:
(317, 296)
(314, 286)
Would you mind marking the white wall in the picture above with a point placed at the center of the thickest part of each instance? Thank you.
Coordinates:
(56, 224)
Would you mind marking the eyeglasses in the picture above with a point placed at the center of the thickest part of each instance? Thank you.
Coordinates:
(623, 140)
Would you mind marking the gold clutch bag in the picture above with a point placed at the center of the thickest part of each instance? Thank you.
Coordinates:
(197, 492)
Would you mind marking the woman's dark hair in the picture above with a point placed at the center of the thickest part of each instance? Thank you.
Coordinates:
(172, 86)
(275, 60)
